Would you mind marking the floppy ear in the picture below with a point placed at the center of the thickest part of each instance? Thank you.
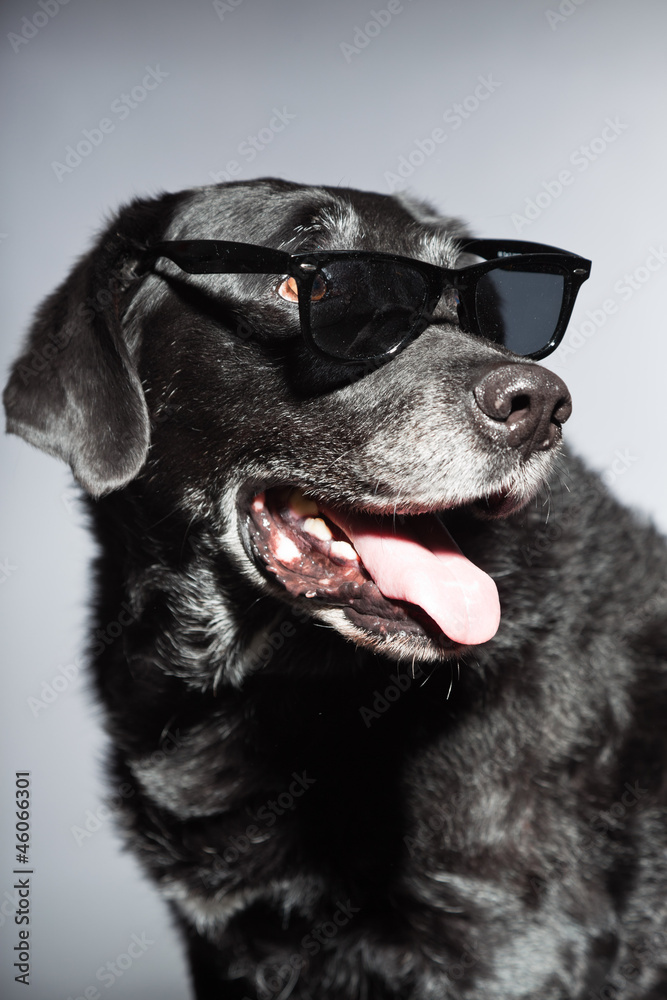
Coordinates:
(75, 392)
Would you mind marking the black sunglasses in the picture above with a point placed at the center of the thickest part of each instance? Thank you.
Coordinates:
(359, 306)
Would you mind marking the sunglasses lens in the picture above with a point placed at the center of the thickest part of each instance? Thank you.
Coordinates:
(361, 309)
(519, 309)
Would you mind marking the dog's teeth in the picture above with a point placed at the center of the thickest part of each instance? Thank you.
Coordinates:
(286, 550)
(301, 506)
(344, 551)
(258, 502)
(310, 593)
(317, 527)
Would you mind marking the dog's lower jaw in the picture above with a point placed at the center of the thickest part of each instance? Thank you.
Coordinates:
(401, 645)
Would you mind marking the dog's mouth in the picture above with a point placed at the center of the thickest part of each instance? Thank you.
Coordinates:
(391, 574)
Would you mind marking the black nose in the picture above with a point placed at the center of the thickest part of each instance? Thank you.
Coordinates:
(526, 404)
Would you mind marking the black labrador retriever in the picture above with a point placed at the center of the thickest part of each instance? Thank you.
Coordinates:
(384, 668)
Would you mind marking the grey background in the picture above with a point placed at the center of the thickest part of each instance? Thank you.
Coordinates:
(555, 79)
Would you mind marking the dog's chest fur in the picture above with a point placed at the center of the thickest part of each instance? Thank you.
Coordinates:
(441, 807)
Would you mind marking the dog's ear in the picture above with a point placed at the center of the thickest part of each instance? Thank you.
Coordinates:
(75, 391)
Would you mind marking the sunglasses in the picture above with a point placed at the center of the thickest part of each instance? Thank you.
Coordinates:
(361, 306)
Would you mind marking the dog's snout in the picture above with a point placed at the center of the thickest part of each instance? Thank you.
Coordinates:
(526, 403)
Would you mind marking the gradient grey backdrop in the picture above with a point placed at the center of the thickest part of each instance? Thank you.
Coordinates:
(553, 82)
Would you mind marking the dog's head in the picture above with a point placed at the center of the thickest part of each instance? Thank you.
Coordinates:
(327, 484)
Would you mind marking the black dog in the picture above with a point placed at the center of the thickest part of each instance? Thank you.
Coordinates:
(344, 781)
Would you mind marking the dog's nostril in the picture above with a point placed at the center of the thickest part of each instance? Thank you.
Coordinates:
(525, 403)
(519, 403)
(563, 410)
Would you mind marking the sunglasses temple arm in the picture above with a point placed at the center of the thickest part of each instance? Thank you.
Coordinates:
(491, 249)
(219, 257)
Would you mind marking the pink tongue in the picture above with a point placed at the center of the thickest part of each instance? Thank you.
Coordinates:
(419, 561)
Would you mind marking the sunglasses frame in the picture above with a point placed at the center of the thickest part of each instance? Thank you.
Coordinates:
(225, 257)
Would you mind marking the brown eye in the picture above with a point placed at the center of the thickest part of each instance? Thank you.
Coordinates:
(288, 290)
(319, 289)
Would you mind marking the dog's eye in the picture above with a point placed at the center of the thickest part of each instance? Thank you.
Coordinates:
(288, 289)
(319, 289)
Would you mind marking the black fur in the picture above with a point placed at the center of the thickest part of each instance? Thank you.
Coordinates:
(334, 812)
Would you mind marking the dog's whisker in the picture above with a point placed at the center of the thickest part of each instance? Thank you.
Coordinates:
(167, 727)
(187, 532)
(428, 677)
